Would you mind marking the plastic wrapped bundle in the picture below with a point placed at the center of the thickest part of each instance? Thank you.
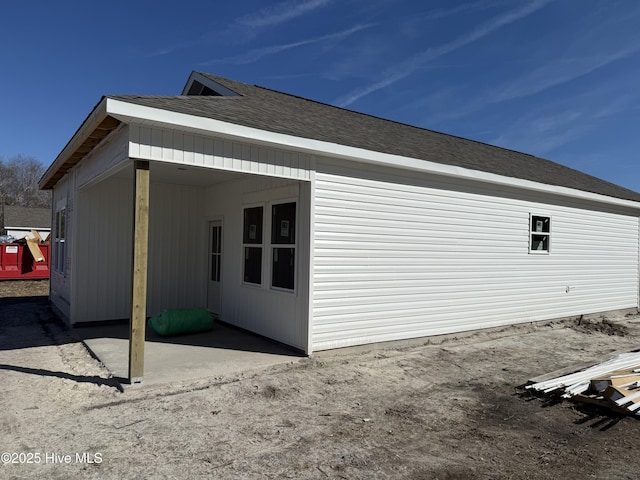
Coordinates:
(180, 321)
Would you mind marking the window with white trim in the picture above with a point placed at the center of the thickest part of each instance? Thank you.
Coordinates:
(539, 234)
(283, 245)
(252, 245)
(60, 240)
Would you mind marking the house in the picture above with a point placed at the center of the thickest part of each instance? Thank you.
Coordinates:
(321, 227)
(19, 221)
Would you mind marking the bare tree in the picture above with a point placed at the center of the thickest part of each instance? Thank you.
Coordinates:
(19, 178)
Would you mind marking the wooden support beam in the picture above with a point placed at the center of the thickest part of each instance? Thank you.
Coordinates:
(139, 272)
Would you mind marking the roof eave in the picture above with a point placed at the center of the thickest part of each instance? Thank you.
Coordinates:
(134, 113)
(93, 130)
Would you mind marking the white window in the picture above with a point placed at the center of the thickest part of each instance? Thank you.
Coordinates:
(539, 234)
(269, 245)
(252, 245)
(59, 244)
(283, 245)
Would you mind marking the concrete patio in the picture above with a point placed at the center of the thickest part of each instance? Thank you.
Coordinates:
(222, 351)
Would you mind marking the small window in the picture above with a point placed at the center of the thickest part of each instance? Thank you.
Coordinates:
(60, 249)
(539, 234)
(283, 245)
(252, 243)
(216, 252)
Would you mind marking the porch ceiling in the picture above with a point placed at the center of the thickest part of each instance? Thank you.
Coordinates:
(174, 173)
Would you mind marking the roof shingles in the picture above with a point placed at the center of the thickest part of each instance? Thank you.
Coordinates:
(278, 112)
(26, 217)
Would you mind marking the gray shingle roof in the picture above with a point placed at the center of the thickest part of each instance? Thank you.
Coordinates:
(22, 217)
(278, 112)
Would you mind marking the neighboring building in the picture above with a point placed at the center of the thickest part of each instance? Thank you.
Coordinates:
(18, 221)
(321, 227)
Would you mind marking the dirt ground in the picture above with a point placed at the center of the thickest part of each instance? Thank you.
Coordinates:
(447, 408)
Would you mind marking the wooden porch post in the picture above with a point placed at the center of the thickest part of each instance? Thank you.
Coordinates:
(139, 272)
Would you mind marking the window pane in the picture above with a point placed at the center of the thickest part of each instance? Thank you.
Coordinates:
(215, 268)
(253, 265)
(283, 224)
(283, 268)
(540, 224)
(62, 223)
(252, 225)
(540, 242)
(215, 239)
(61, 255)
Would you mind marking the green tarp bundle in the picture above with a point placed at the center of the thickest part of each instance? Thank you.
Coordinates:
(179, 321)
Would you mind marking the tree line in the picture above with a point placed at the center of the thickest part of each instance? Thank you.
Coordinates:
(19, 178)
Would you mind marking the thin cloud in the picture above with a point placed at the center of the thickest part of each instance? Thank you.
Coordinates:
(265, 17)
(554, 125)
(555, 74)
(259, 53)
(543, 133)
(171, 49)
(551, 75)
(412, 64)
(280, 12)
(464, 8)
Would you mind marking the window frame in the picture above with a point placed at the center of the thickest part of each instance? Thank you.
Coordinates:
(267, 246)
(60, 239)
(258, 246)
(534, 232)
(294, 246)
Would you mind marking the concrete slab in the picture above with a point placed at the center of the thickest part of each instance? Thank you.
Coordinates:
(222, 351)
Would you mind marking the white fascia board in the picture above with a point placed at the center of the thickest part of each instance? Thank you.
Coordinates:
(88, 126)
(144, 115)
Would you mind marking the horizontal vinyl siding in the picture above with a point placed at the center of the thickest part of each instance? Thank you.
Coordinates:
(161, 144)
(396, 259)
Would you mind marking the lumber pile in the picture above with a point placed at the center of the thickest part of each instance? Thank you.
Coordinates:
(614, 384)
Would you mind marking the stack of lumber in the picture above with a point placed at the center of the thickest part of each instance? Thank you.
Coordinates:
(614, 384)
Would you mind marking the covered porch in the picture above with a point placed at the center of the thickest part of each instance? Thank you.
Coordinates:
(158, 235)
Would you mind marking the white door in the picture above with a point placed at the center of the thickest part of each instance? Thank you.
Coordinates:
(215, 266)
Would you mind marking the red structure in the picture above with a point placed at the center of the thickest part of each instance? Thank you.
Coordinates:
(17, 262)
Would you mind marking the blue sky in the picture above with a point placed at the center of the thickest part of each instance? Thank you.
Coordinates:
(555, 78)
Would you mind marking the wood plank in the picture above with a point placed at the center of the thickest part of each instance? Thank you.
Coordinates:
(35, 249)
(139, 272)
(600, 402)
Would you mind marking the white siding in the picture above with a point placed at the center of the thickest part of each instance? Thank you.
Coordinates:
(161, 144)
(22, 232)
(102, 278)
(400, 257)
(177, 248)
(282, 316)
(60, 282)
(176, 266)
